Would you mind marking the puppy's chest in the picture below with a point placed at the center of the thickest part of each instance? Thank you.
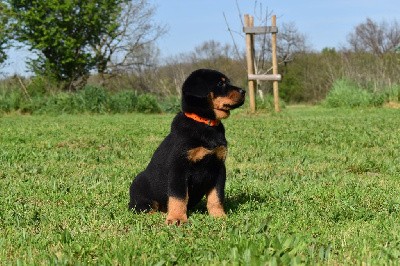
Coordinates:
(200, 153)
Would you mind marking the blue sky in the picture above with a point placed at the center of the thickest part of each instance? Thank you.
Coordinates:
(326, 23)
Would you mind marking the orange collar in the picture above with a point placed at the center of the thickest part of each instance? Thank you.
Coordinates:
(206, 121)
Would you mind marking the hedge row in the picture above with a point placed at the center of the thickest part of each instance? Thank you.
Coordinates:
(91, 99)
(345, 93)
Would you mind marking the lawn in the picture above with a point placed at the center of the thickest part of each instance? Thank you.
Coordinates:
(308, 185)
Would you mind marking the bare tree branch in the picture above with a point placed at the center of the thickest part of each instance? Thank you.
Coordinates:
(378, 39)
(233, 39)
(127, 49)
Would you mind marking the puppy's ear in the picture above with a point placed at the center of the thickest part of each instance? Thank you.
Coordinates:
(197, 84)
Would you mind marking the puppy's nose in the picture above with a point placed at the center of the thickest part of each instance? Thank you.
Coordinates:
(242, 92)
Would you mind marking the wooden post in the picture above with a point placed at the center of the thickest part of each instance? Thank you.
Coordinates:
(275, 66)
(250, 31)
(249, 22)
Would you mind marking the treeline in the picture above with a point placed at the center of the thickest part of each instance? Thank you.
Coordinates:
(91, 55)
(310, 77)
(335, 78)
(307, 78)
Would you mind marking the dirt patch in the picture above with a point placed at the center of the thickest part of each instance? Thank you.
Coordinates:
(393, 105)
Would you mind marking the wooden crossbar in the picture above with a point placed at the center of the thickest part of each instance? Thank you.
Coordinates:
(260, 30)
(268, 77)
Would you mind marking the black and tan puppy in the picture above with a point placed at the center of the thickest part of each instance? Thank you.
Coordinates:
(190, 162)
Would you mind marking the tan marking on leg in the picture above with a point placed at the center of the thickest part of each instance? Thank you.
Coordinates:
(177, 209)
(221, 152)
(214, 205)
(197, 154)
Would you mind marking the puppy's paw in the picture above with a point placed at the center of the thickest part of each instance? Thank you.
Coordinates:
(217, 212)
(176, 220)
(177, 211)
(214, 206)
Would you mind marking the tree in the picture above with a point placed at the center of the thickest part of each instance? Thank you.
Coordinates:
(289, 42)
(373, 37)
(62, 33)
(213, 50)
(131, 45)
(213, 54)
(4, 32)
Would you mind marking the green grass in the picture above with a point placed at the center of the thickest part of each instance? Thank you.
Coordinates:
(308, 185)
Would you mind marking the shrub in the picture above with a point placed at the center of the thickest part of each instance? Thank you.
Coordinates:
(377, 99)
(40, 86)
(345, 93)
(31, 105)
(392, 93)
(147, 103)
(171, 104)
(63, 103)
(264, 104)
(123, 102)
(94, 98)
(10, 100)
(268, 103)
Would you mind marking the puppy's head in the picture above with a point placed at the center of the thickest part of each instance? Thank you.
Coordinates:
(208, 93)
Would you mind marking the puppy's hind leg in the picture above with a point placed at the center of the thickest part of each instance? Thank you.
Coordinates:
(140, 199)
(141, 204)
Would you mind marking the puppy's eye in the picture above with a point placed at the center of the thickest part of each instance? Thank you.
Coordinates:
(220, 84)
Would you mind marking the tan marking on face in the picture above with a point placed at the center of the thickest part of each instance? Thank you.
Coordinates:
(219, 103)
(214, 205)
(177, 209)
(198, 154)
(235, 96)
(221, 114)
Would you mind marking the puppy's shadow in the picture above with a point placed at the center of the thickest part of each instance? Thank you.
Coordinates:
(235, 202)
(232, 203)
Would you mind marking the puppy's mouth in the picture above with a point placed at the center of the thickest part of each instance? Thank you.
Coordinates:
(222, 105)
(235, 105)
(227, 112)
(226, 108)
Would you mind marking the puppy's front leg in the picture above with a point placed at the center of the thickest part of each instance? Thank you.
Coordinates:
(215, 204)
(216, 195)
(178, 196)
(177, 210)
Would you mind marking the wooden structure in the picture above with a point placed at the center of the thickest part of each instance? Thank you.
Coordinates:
(250, 31)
